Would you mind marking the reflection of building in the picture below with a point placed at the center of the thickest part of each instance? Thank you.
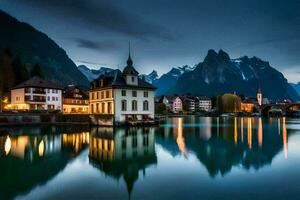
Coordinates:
(75, 101)
(36, 94)
(123, 152)
(223, 143)
(122, 94)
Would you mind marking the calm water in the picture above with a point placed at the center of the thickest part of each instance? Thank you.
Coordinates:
(184, 158)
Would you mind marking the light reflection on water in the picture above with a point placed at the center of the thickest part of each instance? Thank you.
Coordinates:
(223, 158)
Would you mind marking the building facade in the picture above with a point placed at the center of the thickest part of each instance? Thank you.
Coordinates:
(203, 103)
(76, 101)
(123, 95)
(173, 103)
(36, 94)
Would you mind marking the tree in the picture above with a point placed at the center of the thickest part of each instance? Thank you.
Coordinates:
(160, 108)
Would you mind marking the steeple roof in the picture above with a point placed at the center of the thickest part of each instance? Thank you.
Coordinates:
(129, 69)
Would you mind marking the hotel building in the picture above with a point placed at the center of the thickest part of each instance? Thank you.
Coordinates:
(36, 94)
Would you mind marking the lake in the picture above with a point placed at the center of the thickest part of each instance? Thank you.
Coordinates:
(183, 158)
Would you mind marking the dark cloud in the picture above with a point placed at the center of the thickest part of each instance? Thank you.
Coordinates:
(94, 45)
(92, 63)
(98, 15)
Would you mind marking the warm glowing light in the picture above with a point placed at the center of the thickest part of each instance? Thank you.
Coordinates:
(278, 122)
(235, 131)
(180, 138)
(284, 138)
(242, 130)
(41, 148)
(250, 133)
(7, 145)
(260, 132)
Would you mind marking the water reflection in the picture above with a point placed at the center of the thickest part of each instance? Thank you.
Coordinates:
(32, 156)
(122, 153)
(222, 143)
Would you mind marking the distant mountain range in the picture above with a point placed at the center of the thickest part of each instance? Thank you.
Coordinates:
(92, 74)
(219, 74)
(34, 47)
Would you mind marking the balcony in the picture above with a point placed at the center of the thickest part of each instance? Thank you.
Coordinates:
(35, 90)
(35, 99)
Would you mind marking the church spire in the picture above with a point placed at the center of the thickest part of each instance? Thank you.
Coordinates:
(129, 60)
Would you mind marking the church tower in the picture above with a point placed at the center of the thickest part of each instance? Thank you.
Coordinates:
(129, 73)
(259, 97)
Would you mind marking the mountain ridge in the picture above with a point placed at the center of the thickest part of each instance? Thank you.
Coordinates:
(35, 47)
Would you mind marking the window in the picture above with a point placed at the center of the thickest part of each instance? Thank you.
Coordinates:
(102, 95)
(56, 98)
(134, 105)
(145, 94)
(48, 98)
(107, 94)
(103, 107)
(145, 105)
(48, 90)
(123, 93)
(124, 105)
(53, 98)
(53, 91)
(132, 79)
(134, 93)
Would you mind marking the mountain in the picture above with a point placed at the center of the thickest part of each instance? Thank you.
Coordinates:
(150, 78)
(296, 87)
(168, 80)
(34, 47)
(219, 74)
(92, 74)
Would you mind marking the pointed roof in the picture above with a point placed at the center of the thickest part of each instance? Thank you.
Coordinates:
(129, 69)
(38, 83)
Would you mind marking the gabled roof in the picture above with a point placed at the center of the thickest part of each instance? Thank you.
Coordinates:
(71, 90)
(115, 79)
(38, 83)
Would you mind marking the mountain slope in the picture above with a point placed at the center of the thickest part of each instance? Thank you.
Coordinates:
(219, 74)
(296, 87)
(33, 46)
(92, 74)
(168, 80)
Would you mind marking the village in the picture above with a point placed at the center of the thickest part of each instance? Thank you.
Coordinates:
(126, 99)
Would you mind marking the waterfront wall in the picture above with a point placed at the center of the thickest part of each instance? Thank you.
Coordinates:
(45, 118)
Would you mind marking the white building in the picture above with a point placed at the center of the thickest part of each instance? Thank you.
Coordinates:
(36, 94)
(204, 103)
(123, 95)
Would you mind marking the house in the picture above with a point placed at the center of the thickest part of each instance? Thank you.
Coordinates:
(203, 103)
(123, 95)
(36, 94)
(75, 101)
(189, 103)
(174, 103)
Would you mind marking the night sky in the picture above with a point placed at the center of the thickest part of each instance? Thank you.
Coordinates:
(167, 33)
